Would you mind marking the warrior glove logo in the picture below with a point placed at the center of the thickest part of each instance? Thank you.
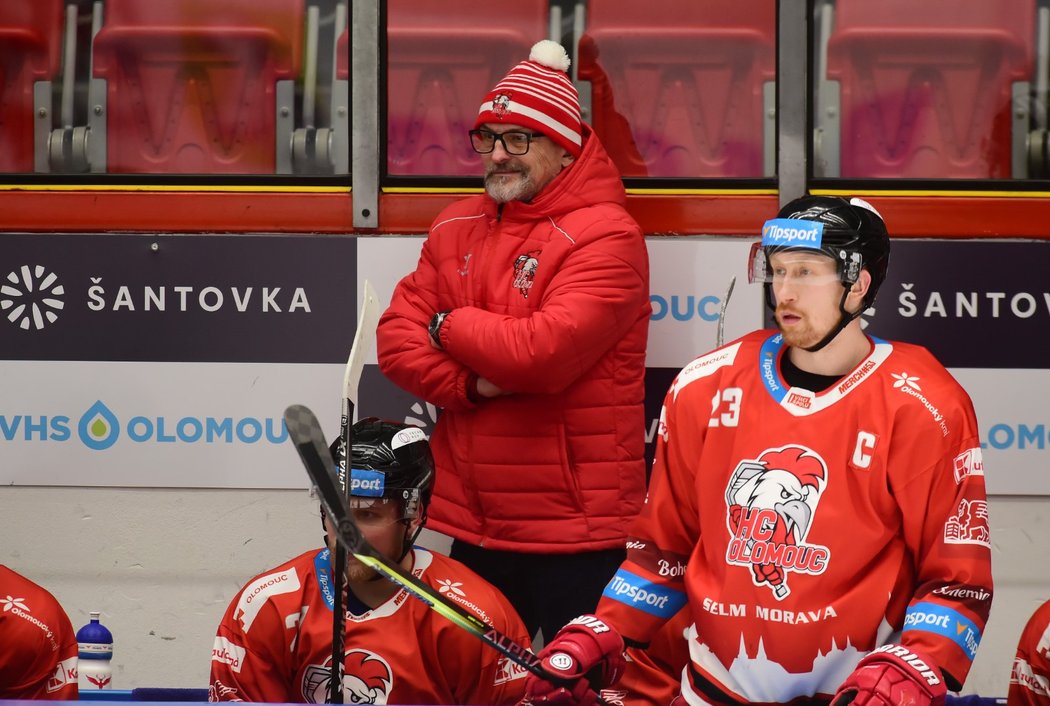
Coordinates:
(770, 502)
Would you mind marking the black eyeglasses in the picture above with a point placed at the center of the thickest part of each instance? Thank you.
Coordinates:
(515, 142)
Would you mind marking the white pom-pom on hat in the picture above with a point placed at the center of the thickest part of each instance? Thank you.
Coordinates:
(537, 94)
(550, 54)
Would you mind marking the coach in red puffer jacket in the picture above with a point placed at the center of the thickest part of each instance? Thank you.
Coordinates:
(539, 362)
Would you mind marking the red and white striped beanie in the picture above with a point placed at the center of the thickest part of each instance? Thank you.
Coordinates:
(537, 94)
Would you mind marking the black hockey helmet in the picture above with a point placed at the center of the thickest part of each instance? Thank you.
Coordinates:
(390, 460)
(849, 231)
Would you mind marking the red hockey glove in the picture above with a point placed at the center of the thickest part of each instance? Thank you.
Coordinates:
(585, 648)
(893, 675)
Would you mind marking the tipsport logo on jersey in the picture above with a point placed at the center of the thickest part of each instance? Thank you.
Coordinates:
(98, 428)
(771, 502)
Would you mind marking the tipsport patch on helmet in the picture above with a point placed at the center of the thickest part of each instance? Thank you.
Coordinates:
(369, 484)
(792, 233)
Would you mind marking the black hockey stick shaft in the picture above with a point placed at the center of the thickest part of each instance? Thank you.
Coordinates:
(366, 327)
(308, 438)
(335, 685)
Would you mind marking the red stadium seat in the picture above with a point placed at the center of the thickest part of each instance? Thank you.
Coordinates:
(443, 57)
(677, 87)
(192, 84)
(926, 86)
(342, 55)
(30, 51)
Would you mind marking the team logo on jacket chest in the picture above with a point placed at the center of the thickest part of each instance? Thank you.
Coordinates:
(525, 267)
(771, 501)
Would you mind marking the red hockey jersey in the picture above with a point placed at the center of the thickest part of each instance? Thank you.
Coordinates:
(1030, 676)
(39, 655)
(275, 641)
(807, 529)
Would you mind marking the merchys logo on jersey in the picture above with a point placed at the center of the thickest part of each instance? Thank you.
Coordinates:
(31, 297)
(367, 679)
(771, 501)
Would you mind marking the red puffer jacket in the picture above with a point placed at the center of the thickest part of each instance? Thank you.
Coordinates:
(550, 302)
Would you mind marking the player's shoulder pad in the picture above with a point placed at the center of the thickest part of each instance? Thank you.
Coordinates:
(916, 380)
(912, 364)
(460, 585)
(286, 578)
(709, 364)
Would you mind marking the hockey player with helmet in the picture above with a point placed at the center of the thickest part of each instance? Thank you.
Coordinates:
(1030, 674)
(817, 499)
(275, 641)
(38, 648)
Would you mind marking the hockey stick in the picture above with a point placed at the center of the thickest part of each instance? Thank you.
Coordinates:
(355, 363)
(309, 441)
(721, 332)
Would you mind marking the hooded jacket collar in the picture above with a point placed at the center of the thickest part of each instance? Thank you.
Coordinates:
(590, 180)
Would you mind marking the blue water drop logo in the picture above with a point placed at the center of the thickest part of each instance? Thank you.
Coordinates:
(98, 427)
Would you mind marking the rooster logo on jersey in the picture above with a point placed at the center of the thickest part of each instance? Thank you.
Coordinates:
(771, 501)
(366, 680)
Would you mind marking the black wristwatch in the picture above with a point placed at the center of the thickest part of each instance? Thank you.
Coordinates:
(434, 329)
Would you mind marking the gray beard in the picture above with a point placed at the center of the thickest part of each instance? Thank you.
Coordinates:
(502, 192)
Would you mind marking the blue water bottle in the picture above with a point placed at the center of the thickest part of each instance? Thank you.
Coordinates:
(95, 649)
